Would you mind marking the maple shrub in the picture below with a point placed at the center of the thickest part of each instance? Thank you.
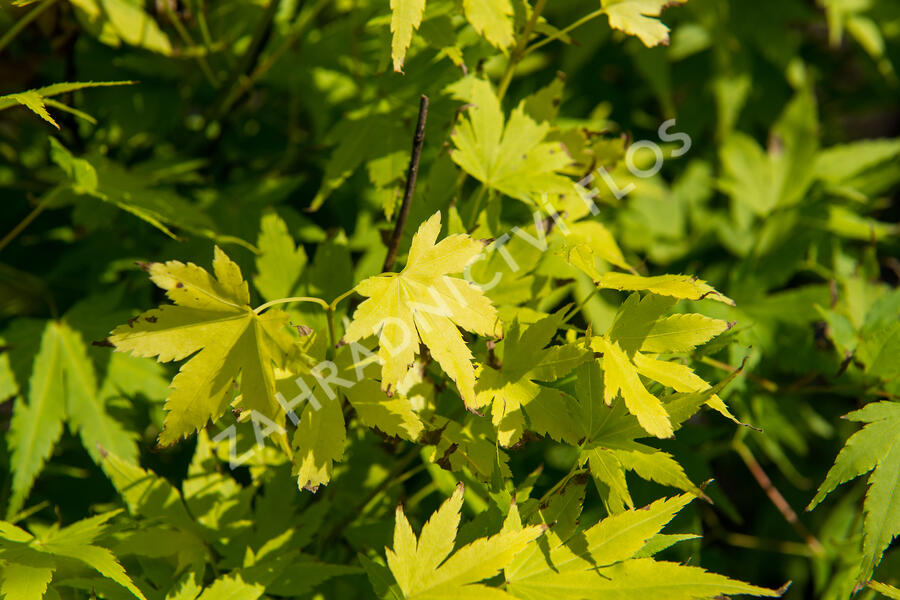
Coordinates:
(456, 299)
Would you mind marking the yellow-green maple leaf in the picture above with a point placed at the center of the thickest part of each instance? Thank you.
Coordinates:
(511, 158)
(316, 409)
(620, 375)
(425, 570)
(605, 562)
(623, 364)
(686, 287)
(675, 286)
(875, 448)
(213, 321)
(635, 17)
(422, 303)
(406, 16)
(512, 391)
(639, 326)
(492, 19)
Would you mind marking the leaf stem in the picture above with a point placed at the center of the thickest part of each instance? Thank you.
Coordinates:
(313, 300)
(581, 305)
(22, 23)
(23, 223)
(575, 470)
(329, 317)
(248, 61)
(519, 53)
(187, 39)
(337, 300)
(411, 174)
(476, 208)
(204, 27)
(261, 69)
(563, 32)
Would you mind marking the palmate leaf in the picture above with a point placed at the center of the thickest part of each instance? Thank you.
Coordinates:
(636, 17)
(31, 560)
(97, 178)
(602, 562)
(62, 387)
(37, 425)
(468, 446)
(509, 156)
(314, 404)
(37, 99)
(763, 180)
(213, 321)
(610, 434)
(621, 376)
(613, 539)
(640, 578)
(875, 448)
(422, 303)
(424, 569)
(639, 325)
(512, 392)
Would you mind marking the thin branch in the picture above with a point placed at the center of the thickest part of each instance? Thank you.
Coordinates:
(246, 82)
(250, 58)
(562, 32)
(411, 173)
(22, 23)
(519, 51)
(24, 223)
(777, 499)
(189, 41)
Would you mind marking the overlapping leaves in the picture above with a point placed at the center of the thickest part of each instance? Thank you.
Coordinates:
(602, 561)
(213, 323)
(423, 303)
(875, 448)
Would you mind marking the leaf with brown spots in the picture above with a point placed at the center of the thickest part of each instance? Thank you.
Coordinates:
(211, 322)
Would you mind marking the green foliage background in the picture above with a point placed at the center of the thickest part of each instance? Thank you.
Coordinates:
(287, 116)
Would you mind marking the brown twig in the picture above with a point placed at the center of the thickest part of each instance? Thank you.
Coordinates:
(777, 499)
(411, 174)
